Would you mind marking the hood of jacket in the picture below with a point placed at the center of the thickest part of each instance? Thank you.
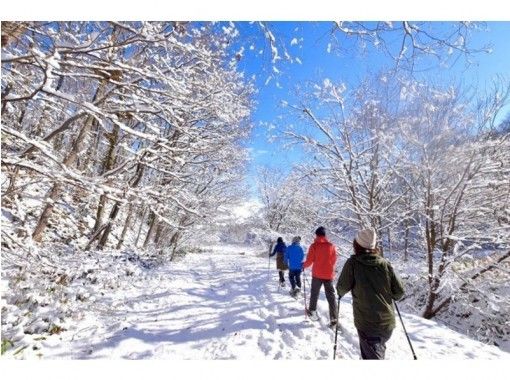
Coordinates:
(369, 259)
(321, 239)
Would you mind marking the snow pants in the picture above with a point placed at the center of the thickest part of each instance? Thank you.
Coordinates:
(373, 347)
(295, 278)
(330, 296)
(282, 277)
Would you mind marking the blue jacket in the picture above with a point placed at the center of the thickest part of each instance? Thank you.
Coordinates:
(279, 247)
(294, 256)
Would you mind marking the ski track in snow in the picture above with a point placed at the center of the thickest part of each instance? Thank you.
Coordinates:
(228, 306)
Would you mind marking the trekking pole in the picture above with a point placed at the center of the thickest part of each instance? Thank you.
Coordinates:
(269, 261)
(304, 291)
(305, 279)
(407, 336)
(336, 328)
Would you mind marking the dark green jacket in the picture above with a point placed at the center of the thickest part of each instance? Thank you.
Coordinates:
(374, 286)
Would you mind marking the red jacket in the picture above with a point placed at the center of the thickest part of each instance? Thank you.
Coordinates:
(322, 254)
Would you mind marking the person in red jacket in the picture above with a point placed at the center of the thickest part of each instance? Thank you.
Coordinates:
(322, 256)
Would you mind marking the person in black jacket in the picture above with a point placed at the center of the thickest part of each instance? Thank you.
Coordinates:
(279, 250)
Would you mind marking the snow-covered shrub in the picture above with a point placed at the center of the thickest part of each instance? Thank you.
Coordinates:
(47, 290)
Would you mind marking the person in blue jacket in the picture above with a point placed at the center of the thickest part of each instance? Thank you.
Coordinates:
(279, 250)
(293, 257)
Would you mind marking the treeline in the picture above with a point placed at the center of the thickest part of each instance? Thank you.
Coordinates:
(120, 129)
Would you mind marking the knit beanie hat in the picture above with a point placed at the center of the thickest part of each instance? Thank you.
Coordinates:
(367, 238)
(296, 239)
(321, 231)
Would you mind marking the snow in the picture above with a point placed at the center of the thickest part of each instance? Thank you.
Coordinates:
(224, 303)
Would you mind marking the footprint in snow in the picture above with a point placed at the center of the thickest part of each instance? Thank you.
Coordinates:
(324, 354)
(264, 344)
(287, 338)
(262, 313)
(271, 319)
(298, 333)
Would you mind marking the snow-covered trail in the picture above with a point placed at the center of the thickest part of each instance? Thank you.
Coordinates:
(226, 306)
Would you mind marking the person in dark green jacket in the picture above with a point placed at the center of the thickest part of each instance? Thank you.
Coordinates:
(374, 286)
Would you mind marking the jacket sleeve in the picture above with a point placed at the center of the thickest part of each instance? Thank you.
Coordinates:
(397, 287)
(310, 257)
(286, 256)
(334, 258)
(345, 282)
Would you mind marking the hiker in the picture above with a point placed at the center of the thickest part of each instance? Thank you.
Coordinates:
(374, 285)
(293, 258)
(279, 250)
(322, 256)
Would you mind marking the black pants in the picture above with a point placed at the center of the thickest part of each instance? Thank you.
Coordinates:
(330, 296)
(373, 347)
(295, 278)
(282, 277)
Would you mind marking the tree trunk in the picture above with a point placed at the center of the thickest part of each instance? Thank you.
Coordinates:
(159, 230)
(55, 190)
(126, 227)
(430, 263)
(434, 284)
(99, 213)
(95, 236)
(107, 230)
(389, 242)
(6, 92)
(6, 199)
(429, 306)
(45, 215)
(406, 240)
(141, 226)
(107, 164)
(153, 218)
(68, 161)
(115, 210)
(173, 244)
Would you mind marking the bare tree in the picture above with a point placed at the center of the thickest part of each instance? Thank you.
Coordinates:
(122, 111)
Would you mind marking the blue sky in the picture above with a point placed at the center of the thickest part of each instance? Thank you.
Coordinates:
(308, 42)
